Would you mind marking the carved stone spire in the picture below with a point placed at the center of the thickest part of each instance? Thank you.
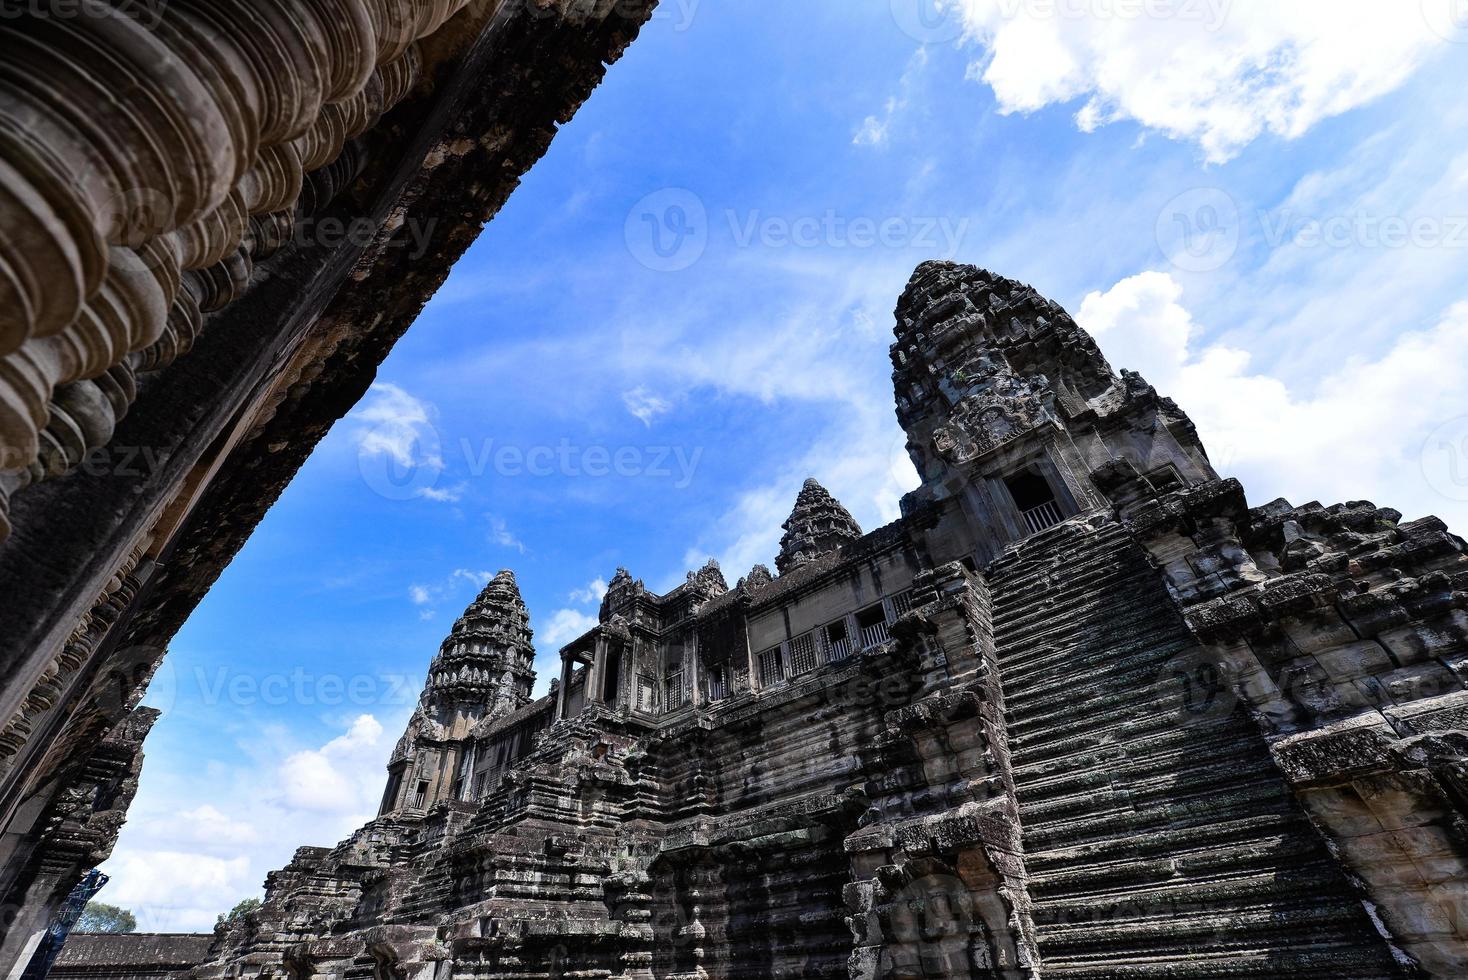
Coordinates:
(488, 658)
(818, 526)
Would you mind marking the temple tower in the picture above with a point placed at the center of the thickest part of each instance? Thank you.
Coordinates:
(484, 670)
(817, 526)
(1011, 409)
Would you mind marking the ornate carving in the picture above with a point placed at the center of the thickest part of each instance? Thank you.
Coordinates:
(126, 219)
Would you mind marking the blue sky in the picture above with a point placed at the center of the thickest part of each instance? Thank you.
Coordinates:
(1263, 209)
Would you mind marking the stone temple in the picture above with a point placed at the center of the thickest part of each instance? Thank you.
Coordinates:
(1081, 712)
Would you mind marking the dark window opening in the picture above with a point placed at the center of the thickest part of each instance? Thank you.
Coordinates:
(1165, 478)
(390, 795)
(718, 683)
(838, 643)
(420, 796)
(771, 668)
(1036, 501)
(610, 683)
(871, 626)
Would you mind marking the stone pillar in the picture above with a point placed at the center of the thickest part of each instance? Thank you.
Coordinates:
(568, 667)
(693, 657)
(594, 684)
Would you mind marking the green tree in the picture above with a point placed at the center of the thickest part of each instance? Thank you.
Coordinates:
(101, 917)
(237, 914)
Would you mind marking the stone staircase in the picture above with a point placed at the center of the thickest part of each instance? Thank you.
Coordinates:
(1161, 840)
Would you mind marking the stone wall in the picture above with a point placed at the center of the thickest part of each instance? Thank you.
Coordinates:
(129, 956)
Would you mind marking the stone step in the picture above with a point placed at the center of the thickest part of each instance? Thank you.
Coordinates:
(1114, 761)
(1083, 604)
(1158, 839)
(1309, 962)
(1127, 851)
(1143, 785)
(1147, 683)
(1021, 603)
(1180, 902)
(1047, 656)
(1041, 548)
(1267, 795)
(1242, 854)
(1032, 748)
(1124, 668)
(1317, 919)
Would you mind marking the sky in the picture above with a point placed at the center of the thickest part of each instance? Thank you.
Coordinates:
(685, 310)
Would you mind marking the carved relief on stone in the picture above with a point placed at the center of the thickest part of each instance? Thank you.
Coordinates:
(52, 685)
(125, 218)
(1006, 408)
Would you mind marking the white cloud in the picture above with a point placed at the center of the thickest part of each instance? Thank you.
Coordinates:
(1217, 72)
(564, 626)
(180, 862)
(446, 495)
(1359, 431)
(477, 579)
(391, 422)
(500, 534)
(874, 129)
(645, 405)
(178, 890)
(827, 354)
(428, 597)
(593, 592)
(325, 779)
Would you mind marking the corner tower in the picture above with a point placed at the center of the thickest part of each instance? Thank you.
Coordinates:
(487, 662)
(484, 670)
(1011, 410)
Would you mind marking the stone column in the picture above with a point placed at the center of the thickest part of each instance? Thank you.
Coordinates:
(594, 684)
(568, 667)
(694, 666)
(112, 257)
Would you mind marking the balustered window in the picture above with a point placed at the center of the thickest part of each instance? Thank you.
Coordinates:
(718, 682)
(838, 641)
(771, 668)
(647, 693)
(803, 654)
